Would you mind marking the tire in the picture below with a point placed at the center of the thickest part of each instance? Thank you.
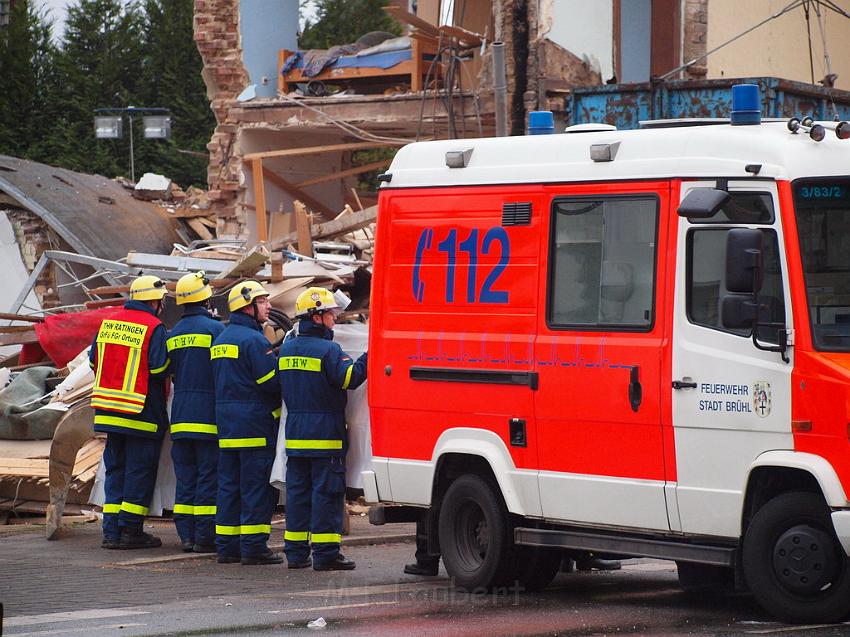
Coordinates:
(793, 562)
(476, 535)
(705, 578)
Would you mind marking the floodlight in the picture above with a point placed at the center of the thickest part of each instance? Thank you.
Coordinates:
(107, 127)
(157, 126)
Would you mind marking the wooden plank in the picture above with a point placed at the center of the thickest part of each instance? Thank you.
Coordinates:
(11, 329)
(24, 467)
(94, 305)
(6, 316)
(260, 198)
(302, 232)
(357, 170)
(468, 38)
(348, 223)
(296, 193)
(170, 285)
(18, 338)
(249, 265)
(406, 17)
(317, 150)
(200, 229)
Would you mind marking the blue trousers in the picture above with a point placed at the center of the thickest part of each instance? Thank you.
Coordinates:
(196, 469)
(315, 504)
(131, 463)
(245, 501)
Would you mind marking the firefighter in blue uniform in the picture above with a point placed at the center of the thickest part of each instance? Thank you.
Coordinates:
(314, 375)
(130, 360)
(247, 409)
(193, 430)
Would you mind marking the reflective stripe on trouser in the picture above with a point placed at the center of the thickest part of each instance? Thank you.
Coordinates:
(245, 501)
(196, 470)
(130, 463)
(315, 490)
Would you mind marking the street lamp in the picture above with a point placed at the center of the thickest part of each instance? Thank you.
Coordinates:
(155, 126)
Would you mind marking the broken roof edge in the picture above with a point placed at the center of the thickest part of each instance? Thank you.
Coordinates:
(94, 215)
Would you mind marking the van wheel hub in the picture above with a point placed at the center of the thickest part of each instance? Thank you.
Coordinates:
(804, 560)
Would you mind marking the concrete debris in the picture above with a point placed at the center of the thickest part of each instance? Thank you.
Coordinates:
(152, 186)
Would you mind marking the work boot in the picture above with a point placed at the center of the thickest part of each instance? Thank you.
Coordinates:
(187, 545)
(339, 564)
(229, 559)
(262, 559)
(589, 563)
(109, 543)
(305, 563)
(204, 548)
(418, 568)
(138, 540)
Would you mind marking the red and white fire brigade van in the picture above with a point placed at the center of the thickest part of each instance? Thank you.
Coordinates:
(624, 342)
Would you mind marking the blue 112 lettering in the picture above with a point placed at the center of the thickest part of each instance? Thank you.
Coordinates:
(470, 245)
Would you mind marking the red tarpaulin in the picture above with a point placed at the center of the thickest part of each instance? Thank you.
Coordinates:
(63, 336)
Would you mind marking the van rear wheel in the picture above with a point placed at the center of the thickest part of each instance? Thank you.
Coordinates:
(475, 534)
(793, 562)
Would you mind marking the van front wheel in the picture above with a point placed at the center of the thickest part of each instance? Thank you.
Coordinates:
(475, 534)
(793, 563)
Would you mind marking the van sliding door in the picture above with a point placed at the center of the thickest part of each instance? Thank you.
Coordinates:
(599, 353)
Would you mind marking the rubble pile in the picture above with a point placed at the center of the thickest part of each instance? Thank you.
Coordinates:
(50, 469)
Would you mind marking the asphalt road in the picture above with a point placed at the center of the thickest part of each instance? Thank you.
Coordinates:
(105, 593)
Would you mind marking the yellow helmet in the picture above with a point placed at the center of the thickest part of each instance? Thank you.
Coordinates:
(147, 288)
(193, 287)
(314, 300)
(243, 294)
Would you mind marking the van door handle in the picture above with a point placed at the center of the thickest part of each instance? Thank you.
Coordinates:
(685, 383)
(635, 388)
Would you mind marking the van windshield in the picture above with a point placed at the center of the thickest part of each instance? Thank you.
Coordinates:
(823, 223)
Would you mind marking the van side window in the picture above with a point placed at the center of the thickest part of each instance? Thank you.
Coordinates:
(602, 272)
(706, 272)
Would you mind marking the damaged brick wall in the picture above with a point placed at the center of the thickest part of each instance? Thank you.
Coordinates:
(33, 238)
(695, 37)
(217, 37)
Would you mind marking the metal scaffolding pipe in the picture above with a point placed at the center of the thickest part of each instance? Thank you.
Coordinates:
(500, 88)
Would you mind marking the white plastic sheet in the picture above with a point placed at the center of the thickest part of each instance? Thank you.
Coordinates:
(353, 338)
(166, 481)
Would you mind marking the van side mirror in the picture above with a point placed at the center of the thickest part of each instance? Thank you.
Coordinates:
(703, 203)
(744, 260)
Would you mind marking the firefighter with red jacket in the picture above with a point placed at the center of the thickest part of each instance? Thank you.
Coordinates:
(194, 432)
(247, 410)
(314, 375)
(130, 359)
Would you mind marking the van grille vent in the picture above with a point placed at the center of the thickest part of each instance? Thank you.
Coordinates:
(516, 214)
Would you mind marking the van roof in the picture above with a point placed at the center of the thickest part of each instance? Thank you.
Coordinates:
(689, 152)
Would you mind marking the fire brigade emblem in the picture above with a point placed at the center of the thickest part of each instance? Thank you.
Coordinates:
(761, 398)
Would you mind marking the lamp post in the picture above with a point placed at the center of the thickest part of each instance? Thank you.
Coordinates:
(157, 125)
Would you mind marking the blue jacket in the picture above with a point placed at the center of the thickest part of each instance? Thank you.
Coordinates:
(189, 343)
(314, 373)
(154, 412)
(247, 395)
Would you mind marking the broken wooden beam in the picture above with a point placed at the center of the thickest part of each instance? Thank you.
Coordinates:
(6, 316)
(357, 170)
(302, 230)
(344, 225)
(248, 265)
(315, 150)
